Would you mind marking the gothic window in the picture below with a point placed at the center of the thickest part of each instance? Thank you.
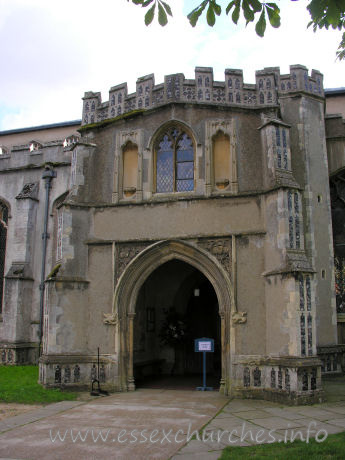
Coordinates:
(268, 84)
(174, 162)
(262, 98)
(237, 83)
(231, 98)
(303, 350)
(238, 97)
(3, 239)
(119, 98)
(199, 81)
(207, 81)
(207, 95)
(200, 94)
(113, 99)
(87, 107)
(306, 321)
(283, 86)
(93, 106)
(230, 83)
(294, 220)
(261, 84)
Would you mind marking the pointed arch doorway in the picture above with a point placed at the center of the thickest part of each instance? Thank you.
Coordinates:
(175, 305)
(127, 301)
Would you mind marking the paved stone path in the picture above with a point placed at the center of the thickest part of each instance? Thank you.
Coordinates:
(156, 424)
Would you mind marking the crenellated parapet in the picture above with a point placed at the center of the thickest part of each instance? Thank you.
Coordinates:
(269, 86)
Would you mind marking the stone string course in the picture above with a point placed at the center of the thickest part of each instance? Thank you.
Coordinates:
(270, 84)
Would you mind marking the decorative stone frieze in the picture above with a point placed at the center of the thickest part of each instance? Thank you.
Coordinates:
(203, 89)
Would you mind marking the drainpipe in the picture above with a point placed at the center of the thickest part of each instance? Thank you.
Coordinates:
(47, 175)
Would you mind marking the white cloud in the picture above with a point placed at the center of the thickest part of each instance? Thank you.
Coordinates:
(56, 50)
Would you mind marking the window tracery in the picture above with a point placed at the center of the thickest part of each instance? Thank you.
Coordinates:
(174, 162)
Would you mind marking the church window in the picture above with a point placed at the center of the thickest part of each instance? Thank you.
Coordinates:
(238, 97)
(303, 350)
(130, 169)
(199, 81)
(268, 84)
(3, 239)
(294, 220)
(306, 329)
(230, 83)
(87, 107)
(113, 99)
(283, 154)
(207, 95)
(119, 98)
(262, 98)
(237, 83)
(93, 106)
(207, 81)
(174, 163)
(310, 334)
(231, 98)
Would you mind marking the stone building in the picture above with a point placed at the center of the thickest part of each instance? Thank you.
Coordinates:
(191, 208)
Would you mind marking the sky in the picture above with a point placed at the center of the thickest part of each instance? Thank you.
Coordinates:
(52, 51)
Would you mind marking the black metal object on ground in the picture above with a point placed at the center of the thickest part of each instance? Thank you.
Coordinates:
(98, 391)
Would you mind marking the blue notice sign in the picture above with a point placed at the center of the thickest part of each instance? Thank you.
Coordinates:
(204, 344)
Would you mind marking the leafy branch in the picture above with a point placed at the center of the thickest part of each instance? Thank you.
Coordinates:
(324, 14)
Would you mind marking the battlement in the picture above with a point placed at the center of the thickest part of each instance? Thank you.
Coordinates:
(270, 84)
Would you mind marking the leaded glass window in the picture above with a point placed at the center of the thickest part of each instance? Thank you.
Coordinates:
(294, 218)
(310, 334)
(3, 238)
(303, 350)
(306, 320)
(175, 162)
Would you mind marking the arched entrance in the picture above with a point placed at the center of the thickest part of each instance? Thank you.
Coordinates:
(127, 294)
(175, 305)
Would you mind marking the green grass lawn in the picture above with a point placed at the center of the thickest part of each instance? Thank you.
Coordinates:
(19, 384)
(333, 448)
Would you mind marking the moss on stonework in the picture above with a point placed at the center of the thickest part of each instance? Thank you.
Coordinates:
(108, 121)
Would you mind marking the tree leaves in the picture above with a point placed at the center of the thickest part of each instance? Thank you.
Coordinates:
(324, 14)
(163, 10)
